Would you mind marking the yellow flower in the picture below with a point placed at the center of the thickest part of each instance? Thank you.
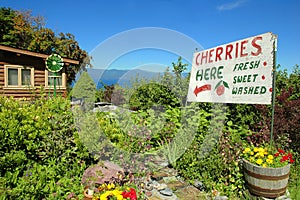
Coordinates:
(269, 161)
(255, 149)
(264, 165)
(247, 150)
(116, 192)
(105, 195)
(259, 161)
(251, 153)
(260, 149)
(270, 157)
(110, 186)
(119, 197)
(261, 154)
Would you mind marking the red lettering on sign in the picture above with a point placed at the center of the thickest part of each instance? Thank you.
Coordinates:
(197, 59)
(228, 51)
(219, 51)
(236, 50)
(257, 46)
(204, 57)
(231, 51)
(243, 48)
(210, 55)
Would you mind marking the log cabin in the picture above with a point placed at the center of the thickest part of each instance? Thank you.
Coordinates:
(23, 74)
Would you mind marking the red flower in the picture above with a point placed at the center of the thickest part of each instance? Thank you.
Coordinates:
(290, 155)
(291, 160)
(276, 154)
(281, 151)
(131, 194)
(284, 158)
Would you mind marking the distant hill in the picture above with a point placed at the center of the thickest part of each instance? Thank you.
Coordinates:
(121, 77)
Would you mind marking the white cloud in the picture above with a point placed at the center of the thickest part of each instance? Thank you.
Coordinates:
(232, 5)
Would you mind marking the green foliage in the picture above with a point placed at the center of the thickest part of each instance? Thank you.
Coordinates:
(152, 95)
(6, 24)
(85, 88)
(40, 152)
(286, 82)
(294, 179)
(213, 157)
(140, 131)
(179, 67)
(245, 115)
(43, 156)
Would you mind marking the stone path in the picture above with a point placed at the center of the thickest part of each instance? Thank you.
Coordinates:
(167, 185)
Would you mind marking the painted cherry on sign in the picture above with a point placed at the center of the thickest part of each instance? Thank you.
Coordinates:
(220, 90)
(220, 87)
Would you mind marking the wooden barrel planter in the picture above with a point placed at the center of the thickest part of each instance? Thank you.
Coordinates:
(264, 181)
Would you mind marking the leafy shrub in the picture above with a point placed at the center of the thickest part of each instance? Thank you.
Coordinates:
(140, 131)
(152, 94)
(219, 169)
(41, 155)
(286, 122)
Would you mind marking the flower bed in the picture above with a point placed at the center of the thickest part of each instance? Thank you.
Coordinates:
(267, 156)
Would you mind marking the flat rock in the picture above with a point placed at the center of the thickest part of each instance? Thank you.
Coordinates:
(166, 192)
(190, 193)
(221, 198)
(101, 173)
(156, 195)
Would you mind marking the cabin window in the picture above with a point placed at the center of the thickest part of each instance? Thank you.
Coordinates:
(60, 79)
(18, 76)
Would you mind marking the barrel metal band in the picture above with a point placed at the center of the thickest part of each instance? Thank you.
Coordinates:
(270, 193)
(265, 177)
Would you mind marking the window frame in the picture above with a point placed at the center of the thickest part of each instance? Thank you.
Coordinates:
(19, 68)
(63, 81)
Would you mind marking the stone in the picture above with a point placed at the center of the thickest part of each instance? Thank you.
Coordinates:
(166, 192)
(158, 186)
(148, 193)
(199, 185)
(190, 193)
(221, 198)
(158, 196)
(154, 184)
(101, 173)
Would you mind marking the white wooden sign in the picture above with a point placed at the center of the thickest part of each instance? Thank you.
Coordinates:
(238, 72)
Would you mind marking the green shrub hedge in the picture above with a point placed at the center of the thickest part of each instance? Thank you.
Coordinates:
(40, 152)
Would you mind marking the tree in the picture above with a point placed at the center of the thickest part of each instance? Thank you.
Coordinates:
(85, 88)
(22, 30)
(181, 83)
(6, 24)
(179, 67)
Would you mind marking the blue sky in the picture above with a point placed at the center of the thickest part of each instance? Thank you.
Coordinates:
(208, 22)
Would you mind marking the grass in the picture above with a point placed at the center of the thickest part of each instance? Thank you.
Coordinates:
(294, 185)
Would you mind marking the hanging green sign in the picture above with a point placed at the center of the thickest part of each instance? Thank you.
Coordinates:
(54, 63)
